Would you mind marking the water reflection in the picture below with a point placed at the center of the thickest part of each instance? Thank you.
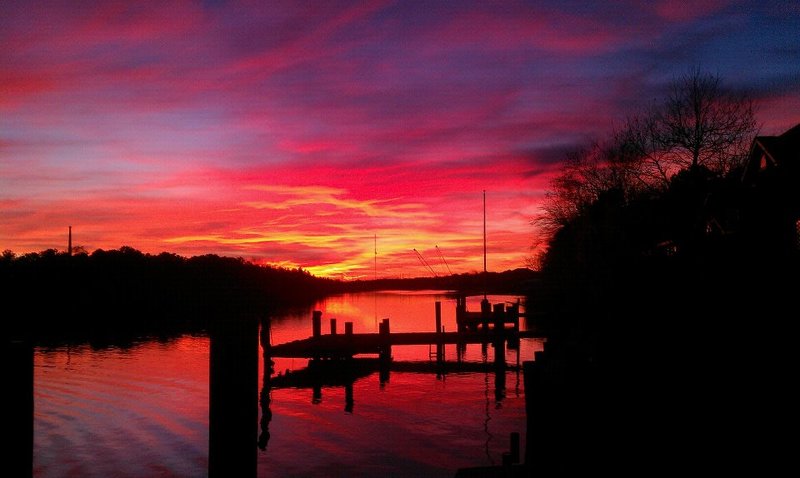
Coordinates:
(233, 385)
(146, 408)
(264, 397)
(345, 372)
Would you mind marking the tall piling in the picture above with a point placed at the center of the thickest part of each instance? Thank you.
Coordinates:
(18, 424)
(233, 397)
(316, 323)
(439, 344)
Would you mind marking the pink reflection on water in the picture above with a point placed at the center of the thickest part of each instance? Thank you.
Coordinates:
(143, 410)
(415, 424)
(140, 411)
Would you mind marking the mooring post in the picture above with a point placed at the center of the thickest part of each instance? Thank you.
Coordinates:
(386, 344)
(348, 328)
(439, 344)
(498, 313)
(18, 378)
(333, 326)
(316, 323)
(486, 311)
(514, 312)
(233, 396)
(461, 312)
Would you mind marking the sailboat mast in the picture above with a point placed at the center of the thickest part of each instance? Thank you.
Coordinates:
(376, 256)
(484, 230)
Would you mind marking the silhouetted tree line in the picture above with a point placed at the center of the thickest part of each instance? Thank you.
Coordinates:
(666, 284)
(122, 293)
(516, 281)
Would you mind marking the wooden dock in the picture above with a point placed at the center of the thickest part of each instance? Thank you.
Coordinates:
(493, 330)
(497, 315)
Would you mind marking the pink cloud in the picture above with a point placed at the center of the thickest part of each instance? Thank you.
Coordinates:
(293, 135)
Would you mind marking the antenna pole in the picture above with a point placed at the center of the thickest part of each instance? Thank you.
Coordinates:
(69, 243)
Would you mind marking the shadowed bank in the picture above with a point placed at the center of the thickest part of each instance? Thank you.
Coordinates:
(668, 319)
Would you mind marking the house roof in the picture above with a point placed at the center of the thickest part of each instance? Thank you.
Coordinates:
(785, 147)
(782, 150)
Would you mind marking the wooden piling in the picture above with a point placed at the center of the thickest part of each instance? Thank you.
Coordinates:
(348, 328)
(233, 397)
(333, 326)
(386, 340)
(486, 311)
(498, 314)
(439, 344)
(316, 323)
(513, 313)
(17, 367)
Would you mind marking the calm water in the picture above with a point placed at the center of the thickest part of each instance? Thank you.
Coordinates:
(143, 410)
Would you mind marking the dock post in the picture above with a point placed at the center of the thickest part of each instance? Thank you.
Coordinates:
(348, 328)
(461, 309)
(439, 344)
(498, 313)
(486, 311)
(386, 344)
(514, 313)
(316, 323)
(233, 396)
(333, 326)
(18, 377)
(264, 398)
(499, 352)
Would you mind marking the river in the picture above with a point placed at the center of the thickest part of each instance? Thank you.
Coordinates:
(142, 410)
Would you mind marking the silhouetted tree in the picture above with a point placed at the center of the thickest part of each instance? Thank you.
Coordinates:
(126, 293)
(585, 176)
(699, 125)
(704, 124)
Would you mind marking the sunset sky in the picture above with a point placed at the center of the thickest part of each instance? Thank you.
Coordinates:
(292, 134)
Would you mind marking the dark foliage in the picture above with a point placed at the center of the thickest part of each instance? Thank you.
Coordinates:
(515, 281)
(669, 317)
(124, 293)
